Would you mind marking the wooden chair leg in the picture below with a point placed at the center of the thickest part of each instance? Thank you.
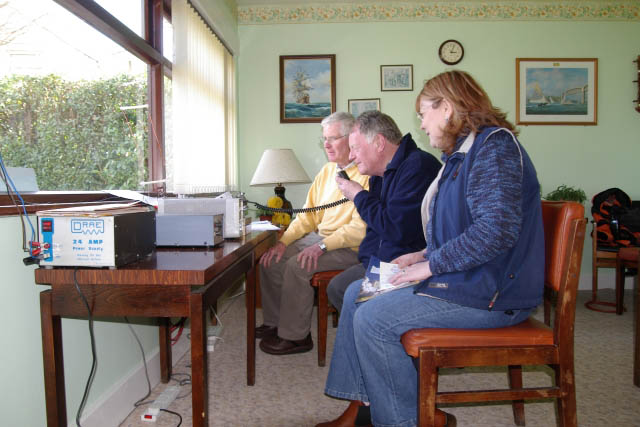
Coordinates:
(515, 381)
(619, 286)
(323, 312)
(567, 409)
(427, 388)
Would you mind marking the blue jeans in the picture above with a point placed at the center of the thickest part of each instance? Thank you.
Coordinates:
(369, 363)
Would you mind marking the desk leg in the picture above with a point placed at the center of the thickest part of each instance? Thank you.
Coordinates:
(165, 349)
(199, 378)
(636, 362)
(251, 325)
(53, 363)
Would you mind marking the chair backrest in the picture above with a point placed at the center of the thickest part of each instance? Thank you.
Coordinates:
(564, 230)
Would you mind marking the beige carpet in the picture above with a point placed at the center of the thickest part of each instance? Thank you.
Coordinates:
(289, 389)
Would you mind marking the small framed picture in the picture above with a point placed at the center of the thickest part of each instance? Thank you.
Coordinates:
(557, 91)
(359, 106)
(396, 77)
(307, 88)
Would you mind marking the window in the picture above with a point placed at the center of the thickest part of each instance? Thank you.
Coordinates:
(129, 12)
(73, 103)
(87, 97)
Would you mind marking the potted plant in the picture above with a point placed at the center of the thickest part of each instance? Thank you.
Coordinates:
(564, 192)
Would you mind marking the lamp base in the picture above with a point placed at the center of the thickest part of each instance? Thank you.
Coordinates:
(279, 190)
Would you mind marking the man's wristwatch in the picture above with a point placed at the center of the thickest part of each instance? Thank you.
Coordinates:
(323, 246)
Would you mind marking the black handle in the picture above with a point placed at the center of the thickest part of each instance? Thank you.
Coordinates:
(343, 174)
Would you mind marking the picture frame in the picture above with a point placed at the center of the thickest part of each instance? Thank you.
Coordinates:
(359, 106)
(396, 77)
(557, 91)
(307, 88)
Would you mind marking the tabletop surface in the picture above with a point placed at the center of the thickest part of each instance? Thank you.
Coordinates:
(166, 266)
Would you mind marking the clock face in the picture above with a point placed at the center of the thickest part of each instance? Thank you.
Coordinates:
(451, 52)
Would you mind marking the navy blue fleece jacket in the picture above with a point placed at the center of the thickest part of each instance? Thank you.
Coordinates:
(391, 207)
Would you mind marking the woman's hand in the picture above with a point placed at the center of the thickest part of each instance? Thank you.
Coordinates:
(349, 188)
(409, 259)
(416, 272)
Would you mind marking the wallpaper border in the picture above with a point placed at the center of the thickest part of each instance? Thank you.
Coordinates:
(531, 10)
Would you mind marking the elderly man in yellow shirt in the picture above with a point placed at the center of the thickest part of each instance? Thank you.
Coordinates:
(315, 241)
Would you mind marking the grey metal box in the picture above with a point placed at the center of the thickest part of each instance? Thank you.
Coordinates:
(189, 230)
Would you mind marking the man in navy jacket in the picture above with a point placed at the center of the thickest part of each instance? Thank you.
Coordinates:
(400, 174)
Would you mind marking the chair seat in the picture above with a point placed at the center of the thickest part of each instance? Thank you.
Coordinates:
(325, 276)
(529, 332)
(629, 254)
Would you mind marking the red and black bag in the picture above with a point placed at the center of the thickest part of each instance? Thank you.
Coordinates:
(617, 221)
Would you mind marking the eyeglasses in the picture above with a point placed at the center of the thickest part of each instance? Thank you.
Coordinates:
(434, 105)
(331, 139)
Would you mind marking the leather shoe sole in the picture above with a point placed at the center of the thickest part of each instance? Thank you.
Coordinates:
(264, 331)
(278, 346)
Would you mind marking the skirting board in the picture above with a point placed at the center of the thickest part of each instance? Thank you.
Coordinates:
(117, 404)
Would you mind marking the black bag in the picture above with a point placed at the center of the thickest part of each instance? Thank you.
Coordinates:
(617, 222)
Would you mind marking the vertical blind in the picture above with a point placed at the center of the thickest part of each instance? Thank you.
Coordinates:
(203, 156)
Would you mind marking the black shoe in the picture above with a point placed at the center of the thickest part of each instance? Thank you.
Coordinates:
(278, 346)
(265, 331)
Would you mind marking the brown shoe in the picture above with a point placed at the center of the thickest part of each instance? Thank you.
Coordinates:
(264, 331)
(278, 346)
(348, 417)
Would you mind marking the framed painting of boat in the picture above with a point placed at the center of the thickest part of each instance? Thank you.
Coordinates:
(307, 88)
(557, 91)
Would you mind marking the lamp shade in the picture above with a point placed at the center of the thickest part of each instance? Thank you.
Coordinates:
(279, 166)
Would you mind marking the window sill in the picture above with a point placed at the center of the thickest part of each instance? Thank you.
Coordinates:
(43, 200)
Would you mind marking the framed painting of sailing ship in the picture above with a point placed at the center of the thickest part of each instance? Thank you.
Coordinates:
(557, 91)
(307, 88)
(396, 77)
(359, 106)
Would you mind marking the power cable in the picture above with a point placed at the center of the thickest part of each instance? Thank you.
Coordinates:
(94, 360)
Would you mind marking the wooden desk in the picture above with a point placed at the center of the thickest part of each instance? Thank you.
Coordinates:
(171, 283)
(636, 358)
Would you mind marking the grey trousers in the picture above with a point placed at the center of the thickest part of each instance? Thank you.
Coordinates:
(339, 284)
(287, 295)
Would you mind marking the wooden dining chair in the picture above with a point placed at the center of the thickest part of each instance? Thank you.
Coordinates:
(320, 281)
(529, 343)
(627, 258)
(601, 257)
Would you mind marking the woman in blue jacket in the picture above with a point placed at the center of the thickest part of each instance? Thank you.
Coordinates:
(483, 265)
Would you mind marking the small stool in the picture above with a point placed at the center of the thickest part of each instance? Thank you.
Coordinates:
(627, 258)
(320, 280)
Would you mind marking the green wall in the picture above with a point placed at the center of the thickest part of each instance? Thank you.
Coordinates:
(21, 372)
(590, 157)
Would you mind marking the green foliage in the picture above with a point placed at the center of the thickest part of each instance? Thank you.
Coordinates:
(73, 134)
(567, 193)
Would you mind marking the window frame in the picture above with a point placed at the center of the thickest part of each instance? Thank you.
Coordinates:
(148, 49)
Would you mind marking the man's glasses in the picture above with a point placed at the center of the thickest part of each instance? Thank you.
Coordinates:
(330, 139)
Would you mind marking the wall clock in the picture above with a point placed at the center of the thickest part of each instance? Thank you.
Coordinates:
(451, 52)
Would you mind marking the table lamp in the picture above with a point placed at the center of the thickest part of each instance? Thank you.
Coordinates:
(279, 166)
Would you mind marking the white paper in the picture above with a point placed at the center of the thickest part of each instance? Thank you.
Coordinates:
(263, 225)
(134, 195)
